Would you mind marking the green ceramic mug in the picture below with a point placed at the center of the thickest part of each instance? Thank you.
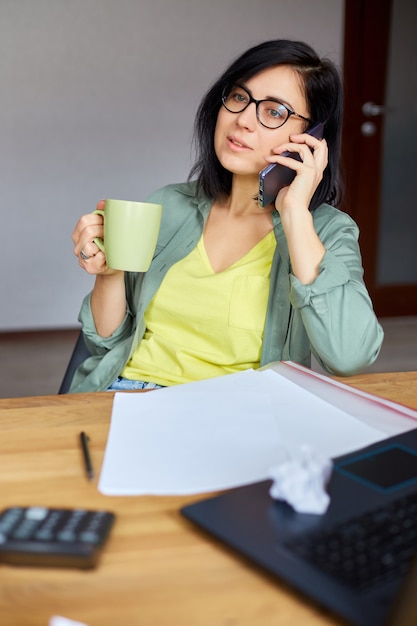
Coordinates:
(130, 234)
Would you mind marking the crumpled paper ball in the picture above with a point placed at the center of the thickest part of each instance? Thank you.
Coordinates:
(301, 480)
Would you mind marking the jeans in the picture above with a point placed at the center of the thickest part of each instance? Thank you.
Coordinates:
(124, 384)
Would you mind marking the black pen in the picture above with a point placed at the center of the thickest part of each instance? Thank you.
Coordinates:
(86, 454)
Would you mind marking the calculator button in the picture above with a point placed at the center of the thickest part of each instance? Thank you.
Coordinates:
(89, 537)
(24, 530)
(44, 534)
(14, 513)
(6, 525)
(9, 519)
(66, 535)
(54, 517)
(36, 513)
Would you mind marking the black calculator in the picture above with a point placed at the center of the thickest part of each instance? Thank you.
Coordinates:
(51, 537)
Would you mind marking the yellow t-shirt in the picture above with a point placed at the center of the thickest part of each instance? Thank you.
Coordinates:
(201, 324)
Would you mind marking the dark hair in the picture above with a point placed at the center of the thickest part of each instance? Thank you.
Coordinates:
(322, 89)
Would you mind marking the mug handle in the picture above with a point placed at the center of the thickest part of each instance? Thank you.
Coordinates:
(97, 240)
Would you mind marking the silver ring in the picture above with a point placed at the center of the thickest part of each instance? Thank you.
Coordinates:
(84, 256)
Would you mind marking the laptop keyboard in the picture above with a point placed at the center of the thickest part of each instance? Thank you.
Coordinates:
(366, 550)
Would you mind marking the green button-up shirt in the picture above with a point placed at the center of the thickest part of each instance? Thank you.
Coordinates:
(332, 317)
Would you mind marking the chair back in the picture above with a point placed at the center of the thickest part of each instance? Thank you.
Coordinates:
(79, 354)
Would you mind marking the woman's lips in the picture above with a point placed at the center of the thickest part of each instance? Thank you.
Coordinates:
(237, 144)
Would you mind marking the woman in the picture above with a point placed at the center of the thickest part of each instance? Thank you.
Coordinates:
(233, 285)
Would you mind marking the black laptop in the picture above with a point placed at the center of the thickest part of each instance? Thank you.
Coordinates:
(358, 559)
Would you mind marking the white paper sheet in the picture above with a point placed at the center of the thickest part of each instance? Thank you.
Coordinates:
(57, 620)
(218, 433)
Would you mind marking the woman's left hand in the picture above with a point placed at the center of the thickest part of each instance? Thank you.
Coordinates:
(309, 172)
(305, 248)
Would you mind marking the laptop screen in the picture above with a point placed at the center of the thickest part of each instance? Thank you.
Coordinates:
(387, 468)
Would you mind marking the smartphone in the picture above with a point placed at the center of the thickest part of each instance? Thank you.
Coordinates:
(275, 176)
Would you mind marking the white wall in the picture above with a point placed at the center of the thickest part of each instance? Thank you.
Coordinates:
(98, 99)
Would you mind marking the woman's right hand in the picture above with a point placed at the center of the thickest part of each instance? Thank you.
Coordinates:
(90, 257)
(108, 297)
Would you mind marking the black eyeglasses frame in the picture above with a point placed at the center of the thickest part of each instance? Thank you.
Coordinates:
(290, 112)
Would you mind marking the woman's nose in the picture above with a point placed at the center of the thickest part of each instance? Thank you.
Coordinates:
(248, 117)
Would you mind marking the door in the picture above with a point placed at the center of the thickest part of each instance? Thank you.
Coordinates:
(380, 146)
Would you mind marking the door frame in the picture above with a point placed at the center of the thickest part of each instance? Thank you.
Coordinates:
(365, 67)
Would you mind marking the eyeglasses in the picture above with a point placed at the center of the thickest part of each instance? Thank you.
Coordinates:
(270, 113)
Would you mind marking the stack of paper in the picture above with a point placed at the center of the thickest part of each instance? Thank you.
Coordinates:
(220, 433)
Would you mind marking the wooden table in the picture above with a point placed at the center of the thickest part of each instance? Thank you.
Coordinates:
(157, 569)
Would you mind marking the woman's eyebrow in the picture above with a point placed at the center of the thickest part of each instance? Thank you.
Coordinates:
(273, 98)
